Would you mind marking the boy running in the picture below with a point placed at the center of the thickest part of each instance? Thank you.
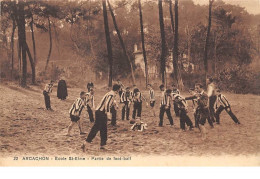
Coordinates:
(102, 114)
(75, 112)
(222, 103)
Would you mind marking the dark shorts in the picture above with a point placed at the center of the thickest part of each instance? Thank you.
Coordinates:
(152, 103)
(74, 118)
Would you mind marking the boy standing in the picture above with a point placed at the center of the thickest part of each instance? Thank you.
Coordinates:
(138, 100)
(152, 98)
(165, 105)
(126, 99)
(194, 107)
(75, 112)
(47, 90)
(212, 98)
(102, 114)
(222, 103)
(90, 104)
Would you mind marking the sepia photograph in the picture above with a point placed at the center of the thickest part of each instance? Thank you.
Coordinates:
(129, 83)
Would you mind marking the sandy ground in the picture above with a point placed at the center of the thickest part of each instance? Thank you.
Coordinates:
(27, 129)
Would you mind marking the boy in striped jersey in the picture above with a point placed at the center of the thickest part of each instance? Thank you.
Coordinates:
(126, 99)
(165, 105)
(47, 90)
(102, 114)
(175, 105)
(137, 100)
(152, 98)
(183, 108)
(75, 112)
(121, 88)
(222, 103)
(202, 108)
(90, 104)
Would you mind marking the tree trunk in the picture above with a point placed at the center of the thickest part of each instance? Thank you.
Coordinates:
(171, 15)
(163, 42)
(143, 44)
(50, 49)
(214, 64)
(108, 41)
(177, 72)
(31, 62)
(33, 40)
(121, 41)
(12, 47)
(205, 59)
(22, 41)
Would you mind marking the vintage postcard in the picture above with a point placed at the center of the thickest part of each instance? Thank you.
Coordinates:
(129, 83)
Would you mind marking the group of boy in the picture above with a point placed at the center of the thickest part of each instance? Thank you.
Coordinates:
(207, 106)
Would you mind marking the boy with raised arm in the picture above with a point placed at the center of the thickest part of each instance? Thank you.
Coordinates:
(202, 108)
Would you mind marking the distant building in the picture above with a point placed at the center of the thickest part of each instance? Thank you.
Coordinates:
(154, 70)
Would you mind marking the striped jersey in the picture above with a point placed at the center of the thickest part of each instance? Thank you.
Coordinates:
(137, 97)
(151, 94)
(48, 88)
(90, 100)
(165, 99)
(180, 101)
(107, 102)
(175, 91)
(125, 96)
(222, 101)
(77, 107)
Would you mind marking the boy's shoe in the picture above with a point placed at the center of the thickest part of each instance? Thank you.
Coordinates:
(84, 146)
(103, 147)
(238, 122)
(191, 128)
(83, 133)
